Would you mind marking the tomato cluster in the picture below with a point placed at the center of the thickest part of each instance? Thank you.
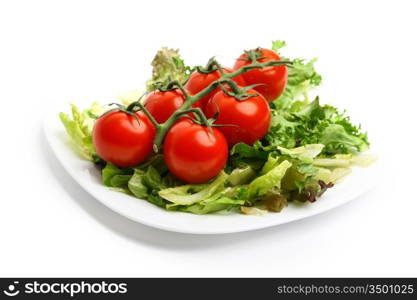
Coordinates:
(192, 151)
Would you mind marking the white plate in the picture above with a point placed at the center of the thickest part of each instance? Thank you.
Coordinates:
(86, 174)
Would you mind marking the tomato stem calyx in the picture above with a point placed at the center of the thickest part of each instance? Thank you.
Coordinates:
(138, 106)
(124, 109)
(212, 66)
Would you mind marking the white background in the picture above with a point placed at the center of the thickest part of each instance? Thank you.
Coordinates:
(59, 51)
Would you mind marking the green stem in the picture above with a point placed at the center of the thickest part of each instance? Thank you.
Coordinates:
(233, 86)
(163, 129)
(212, 65)
(201, 117)
(147, 113)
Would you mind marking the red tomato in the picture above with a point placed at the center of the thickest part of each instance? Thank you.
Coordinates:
(121, 140)
(251, 117)
(194, 154)
(273, 79)
(162, 105)
(199, 81)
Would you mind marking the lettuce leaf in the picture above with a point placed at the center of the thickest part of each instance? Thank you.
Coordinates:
(113, 176)
(167, 66)
(192, 193)
(145, 184)
(241, 176)
(254, 211)
(338, 140)
(79, 126)
(137, 186)
(345, 160)
(143, 181)
(271, 180)
(219, 204)
(305, 153)
(331, 175)
(203, 198)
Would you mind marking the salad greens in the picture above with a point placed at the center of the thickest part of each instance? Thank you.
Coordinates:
(168, 65)
(80, 127)
(309, 147)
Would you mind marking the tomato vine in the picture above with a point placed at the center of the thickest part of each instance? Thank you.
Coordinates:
(186, 108)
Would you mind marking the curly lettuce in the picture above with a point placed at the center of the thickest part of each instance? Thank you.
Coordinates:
(167, 66)
(312, 123)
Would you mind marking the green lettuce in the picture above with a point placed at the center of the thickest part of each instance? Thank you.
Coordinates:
(302, 78)
(167, 66)
(219, 204)
(333, 175)
(113, 176)
(79, 126)
(271, 180)
(339, 140)
(241, 176)
(313, 123)
(192, 193)
(305, 153)
(143, 181)
(145, 184)
(137, 186)
(203, 198)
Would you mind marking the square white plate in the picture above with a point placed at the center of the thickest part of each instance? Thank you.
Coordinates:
(89, 178)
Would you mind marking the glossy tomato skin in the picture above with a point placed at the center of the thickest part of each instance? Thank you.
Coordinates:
(162, 105)
(192, 153)
(199, 81)
(250, 118)
(121, 140)
(273, 79)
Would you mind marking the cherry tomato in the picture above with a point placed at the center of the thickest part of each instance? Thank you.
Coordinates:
(193, 153)
(199, 81)
(162, 105)
(251, 117)
(121, 140)
(273, 79)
